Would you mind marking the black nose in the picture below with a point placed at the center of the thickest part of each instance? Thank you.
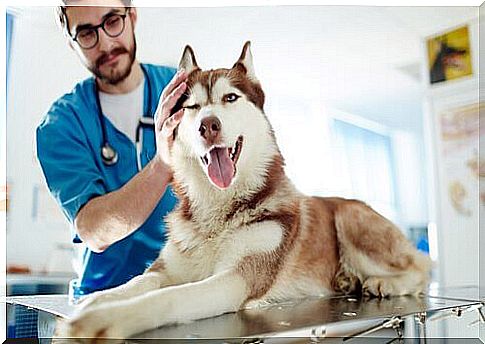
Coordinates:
(210, 129)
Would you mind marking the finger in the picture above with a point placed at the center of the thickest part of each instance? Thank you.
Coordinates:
(173, 84)
(175, 117)
(172, 99)
(176, 80)
(165, 108)
(171, 123)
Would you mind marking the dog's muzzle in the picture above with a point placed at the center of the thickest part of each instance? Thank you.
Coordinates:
(220, 163)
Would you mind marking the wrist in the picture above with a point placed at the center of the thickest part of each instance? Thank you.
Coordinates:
(161, 167)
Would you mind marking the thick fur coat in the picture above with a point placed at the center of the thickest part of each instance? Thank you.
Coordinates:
(242, 235)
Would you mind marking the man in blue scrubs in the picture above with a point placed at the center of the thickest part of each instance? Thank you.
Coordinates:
(116, 209)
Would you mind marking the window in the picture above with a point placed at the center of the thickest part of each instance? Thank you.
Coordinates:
(364, 166)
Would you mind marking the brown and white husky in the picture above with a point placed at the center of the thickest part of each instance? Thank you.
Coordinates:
(242, 235)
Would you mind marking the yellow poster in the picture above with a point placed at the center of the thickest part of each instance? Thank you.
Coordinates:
(449, 55)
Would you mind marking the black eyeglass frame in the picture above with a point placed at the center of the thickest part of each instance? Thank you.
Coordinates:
(101, 25)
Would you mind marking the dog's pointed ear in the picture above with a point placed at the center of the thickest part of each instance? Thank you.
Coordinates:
(188, 61)
(246, 61)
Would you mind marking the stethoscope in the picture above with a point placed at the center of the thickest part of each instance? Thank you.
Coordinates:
(108, 154)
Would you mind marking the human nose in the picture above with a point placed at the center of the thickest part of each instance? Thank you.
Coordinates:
(105, 42)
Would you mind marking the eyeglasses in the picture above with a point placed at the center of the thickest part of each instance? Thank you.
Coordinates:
(113, 26)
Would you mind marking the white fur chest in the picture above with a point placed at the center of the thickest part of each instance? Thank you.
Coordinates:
(193, 256)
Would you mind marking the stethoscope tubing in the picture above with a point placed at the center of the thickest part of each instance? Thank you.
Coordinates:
(143, 123)
(108, 154)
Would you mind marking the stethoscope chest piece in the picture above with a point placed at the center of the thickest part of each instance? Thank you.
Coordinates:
(108, 154)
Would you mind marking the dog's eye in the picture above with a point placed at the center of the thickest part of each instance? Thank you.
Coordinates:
(192, 107)
(230, 98)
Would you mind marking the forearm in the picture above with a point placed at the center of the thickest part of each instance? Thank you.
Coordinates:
(107, 219)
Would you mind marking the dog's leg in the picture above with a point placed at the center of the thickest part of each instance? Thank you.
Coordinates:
(155, 277)
(136, 286)
(410, 282)
(218, 294)
(378, 253)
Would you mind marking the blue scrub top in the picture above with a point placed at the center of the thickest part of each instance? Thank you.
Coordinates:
(69, 141)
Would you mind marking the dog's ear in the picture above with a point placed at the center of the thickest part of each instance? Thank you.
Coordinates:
(188, 61)
(246, 62)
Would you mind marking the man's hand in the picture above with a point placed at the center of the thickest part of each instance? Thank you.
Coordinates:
(164, 123)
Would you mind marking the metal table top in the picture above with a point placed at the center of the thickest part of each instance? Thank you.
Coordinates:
(335, 315)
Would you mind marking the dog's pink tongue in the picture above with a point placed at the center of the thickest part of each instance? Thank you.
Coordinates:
(221, 167)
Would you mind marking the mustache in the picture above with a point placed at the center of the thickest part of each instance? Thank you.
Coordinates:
(103, 58)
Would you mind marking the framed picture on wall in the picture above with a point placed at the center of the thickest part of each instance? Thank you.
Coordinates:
(449, 55)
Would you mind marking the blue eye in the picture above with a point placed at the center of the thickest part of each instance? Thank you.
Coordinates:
(231, 97)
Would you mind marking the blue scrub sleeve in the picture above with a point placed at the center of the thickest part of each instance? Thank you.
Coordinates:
(68, 163)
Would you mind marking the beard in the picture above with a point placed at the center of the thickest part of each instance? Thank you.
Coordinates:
(113, 77)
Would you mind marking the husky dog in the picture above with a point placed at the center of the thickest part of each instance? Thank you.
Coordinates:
(242, 235)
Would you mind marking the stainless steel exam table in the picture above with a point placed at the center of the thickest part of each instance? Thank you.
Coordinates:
(330, 319)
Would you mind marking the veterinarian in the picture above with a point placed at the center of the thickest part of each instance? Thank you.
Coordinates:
(104, 146)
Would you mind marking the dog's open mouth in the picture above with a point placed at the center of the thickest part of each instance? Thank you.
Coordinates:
(221, 163)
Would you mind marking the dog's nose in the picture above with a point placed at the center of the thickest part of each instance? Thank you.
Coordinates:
(210, 129)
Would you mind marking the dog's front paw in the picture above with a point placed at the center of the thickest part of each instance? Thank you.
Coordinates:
(91, 326)
(377, 286)
(94, 300)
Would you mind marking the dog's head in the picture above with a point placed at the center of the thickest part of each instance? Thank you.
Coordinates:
(224, 133)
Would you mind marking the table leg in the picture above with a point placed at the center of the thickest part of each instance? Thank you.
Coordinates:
(420, 321)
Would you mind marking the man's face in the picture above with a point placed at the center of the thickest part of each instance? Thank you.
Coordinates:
(111, 58)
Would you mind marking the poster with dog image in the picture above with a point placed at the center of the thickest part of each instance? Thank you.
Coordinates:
(449, 55)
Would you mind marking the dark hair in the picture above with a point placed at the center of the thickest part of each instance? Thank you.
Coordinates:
(62, 16)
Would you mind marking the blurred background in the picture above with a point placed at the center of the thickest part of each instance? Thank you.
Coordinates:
(375, 103)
